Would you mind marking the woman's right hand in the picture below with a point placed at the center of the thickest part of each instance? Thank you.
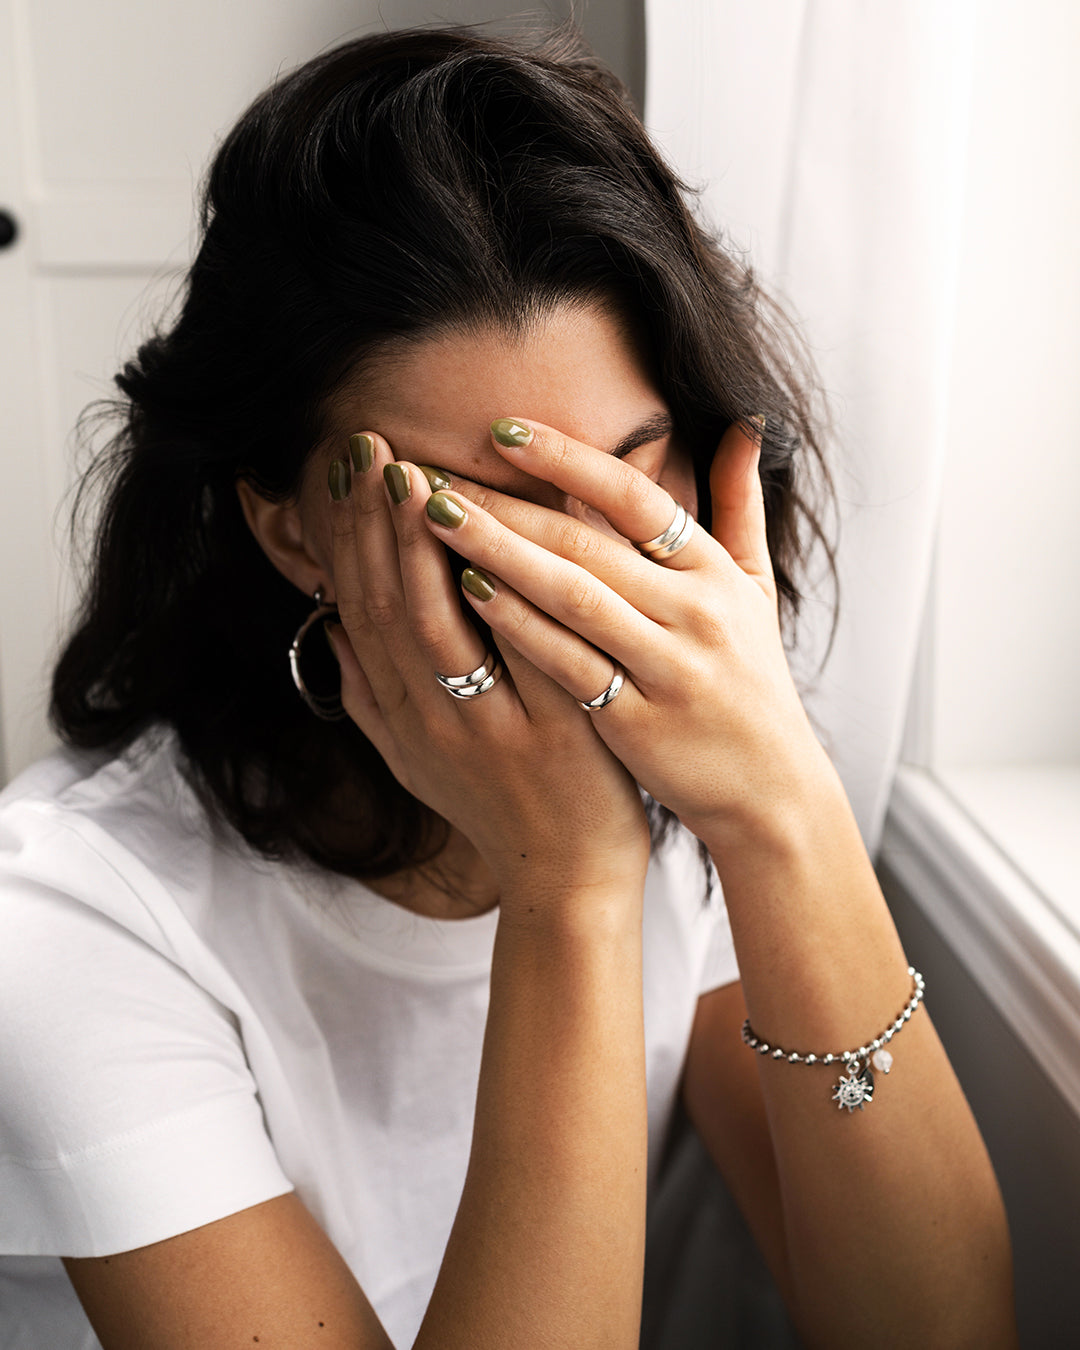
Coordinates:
(519, 770)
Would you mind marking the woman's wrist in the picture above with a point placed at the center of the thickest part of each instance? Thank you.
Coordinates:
(819, 955)
(566, 910)
(781, 810)
(557, 898)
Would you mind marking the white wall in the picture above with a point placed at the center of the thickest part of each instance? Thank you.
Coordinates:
(108, 115)
(1006, 634)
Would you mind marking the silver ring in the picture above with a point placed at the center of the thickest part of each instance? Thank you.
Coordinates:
(478, 681)
(472, 690)
(476, 676)
(602, 700)
(676, 536)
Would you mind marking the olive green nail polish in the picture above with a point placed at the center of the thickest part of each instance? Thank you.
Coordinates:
(362, 450)
(435, 477)
(476, 583)
(761, 420)
(510, 433)
(397, 481)
(443, 510)
(339, 480)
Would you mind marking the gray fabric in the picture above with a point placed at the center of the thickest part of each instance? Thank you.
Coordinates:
(706, 1285)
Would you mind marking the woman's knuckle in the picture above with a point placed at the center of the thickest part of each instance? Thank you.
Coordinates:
(342, 526)
(517, 621)
(583, 596)
(485, 498)
(558, 449)
(633, 491)
(498, 546)
(429, 630)
(382, 609)
(351, 612)
(368, 505)
(409, 531)
(579, 541)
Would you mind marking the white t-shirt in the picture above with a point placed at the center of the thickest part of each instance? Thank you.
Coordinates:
(187, 1029)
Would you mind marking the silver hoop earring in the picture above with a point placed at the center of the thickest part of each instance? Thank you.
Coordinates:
(326, 706)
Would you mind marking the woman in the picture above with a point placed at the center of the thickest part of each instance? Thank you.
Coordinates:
(450, 305)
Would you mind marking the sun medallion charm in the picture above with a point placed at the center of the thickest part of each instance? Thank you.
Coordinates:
(856, 1089)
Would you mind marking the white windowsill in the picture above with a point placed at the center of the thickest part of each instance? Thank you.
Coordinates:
(1021, 949)
(1032, 812)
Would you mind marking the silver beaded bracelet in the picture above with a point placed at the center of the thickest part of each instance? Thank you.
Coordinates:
(858, 1087)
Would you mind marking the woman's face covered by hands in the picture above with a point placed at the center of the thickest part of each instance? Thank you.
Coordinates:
(434, 400)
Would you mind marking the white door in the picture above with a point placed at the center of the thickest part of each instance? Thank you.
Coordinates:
(108, 113)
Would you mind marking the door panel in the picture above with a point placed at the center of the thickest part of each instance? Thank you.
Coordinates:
(108, 115)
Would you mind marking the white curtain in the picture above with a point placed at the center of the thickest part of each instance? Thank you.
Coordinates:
(829, 137)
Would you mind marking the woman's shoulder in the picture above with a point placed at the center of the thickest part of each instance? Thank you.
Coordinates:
(123, 836)
(129, 1112)
(71, 785)
(137, 806)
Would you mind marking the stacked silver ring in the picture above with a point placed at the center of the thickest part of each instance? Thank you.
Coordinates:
(676, 536)
(478, 681)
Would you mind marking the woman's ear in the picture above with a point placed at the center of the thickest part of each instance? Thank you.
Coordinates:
(278, 528)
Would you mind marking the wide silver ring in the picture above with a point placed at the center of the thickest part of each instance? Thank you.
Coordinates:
(676, 536)
(477, 682)
(476, 676)
(602, 700)
(473, 690)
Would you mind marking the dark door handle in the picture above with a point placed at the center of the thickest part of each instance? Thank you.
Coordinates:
(8, 229)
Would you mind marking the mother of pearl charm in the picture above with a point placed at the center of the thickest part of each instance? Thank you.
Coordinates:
(881, 1060)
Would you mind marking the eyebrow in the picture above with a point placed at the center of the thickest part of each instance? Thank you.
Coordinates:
(652, 430)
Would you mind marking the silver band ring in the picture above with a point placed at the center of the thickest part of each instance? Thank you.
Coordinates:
(676, 536)
(473, 677)
(478, 681)
(602, 700)
(472, 690)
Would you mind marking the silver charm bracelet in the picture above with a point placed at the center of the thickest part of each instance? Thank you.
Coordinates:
(858, 1087)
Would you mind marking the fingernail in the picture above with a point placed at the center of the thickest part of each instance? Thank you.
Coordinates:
(397, 481)
(510, 433)
(761, 420)
(477, 584)
(435, 477)
(444, 510)
(362, 450)
(339, 480)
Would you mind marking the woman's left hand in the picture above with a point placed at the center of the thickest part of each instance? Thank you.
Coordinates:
(708, 719)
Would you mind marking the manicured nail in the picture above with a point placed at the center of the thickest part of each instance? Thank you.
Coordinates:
(362, 450)
(397, 481)
(339, 480)
(435, 477)
(443, 510)
(510, 433)
(761, 420)
(476, 583)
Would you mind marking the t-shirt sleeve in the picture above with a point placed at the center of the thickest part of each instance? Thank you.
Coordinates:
(128, 1113)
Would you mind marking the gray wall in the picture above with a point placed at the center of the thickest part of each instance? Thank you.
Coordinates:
(614, 28)
(1032, 1135)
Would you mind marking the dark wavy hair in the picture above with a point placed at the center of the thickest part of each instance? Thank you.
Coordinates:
(400, 185)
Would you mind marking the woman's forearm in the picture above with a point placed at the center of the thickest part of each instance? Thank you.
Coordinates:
(548, 1245)
(894, 1226)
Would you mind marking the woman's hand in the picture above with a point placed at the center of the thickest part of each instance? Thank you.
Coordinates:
(519, 769)
(708, 719)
